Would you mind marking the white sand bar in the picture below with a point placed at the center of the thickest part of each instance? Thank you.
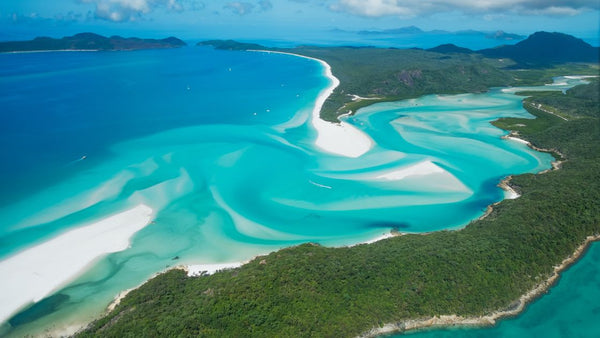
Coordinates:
(35, 273)
(209, 269)
(337, 138)
(420, 169)
(516, 139)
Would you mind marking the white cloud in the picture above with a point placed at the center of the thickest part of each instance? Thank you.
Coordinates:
(410, 8)
(265, 5)
(243, 8)
(239, 8)
(131, 10)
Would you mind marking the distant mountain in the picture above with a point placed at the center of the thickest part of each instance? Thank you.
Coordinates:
(501, 35)
(449, 48)
(89, 41)
(402, 30)
(546, 48)
(412, 30)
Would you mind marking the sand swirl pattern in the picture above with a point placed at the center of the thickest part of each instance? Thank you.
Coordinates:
(199, 188)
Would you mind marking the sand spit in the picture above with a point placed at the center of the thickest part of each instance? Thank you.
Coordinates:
(31, 275)
(341, 138)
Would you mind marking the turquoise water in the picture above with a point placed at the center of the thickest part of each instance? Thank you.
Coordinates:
(220, 146)
(571, 308)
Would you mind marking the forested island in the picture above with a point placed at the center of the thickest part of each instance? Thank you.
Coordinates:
(88, 41)
(368, 75)
(479, 272)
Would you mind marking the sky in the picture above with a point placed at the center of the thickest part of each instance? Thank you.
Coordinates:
(290, 19)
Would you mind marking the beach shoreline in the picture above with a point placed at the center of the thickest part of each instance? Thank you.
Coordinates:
(204, 269)
(510, 191)
(342, 139)
(453, 320)
(34, 273)
(556, 164)
(326, 140)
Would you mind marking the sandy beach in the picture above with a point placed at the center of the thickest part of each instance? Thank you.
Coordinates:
(196, 270)
(336, 138)
(514, 136)
(36, 272)
(510, 193)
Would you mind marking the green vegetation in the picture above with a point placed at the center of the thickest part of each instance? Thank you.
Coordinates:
(390, 74)
(395, 74)
(579, 103)
(89, 41)
(311, 290)
(540, 76)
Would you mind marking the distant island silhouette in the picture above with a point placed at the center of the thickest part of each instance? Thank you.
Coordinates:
(89, 41)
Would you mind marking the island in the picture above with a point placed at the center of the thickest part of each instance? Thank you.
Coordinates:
(88, 41)
(369, 75)
(488, 270)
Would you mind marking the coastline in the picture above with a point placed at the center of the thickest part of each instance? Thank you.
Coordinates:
(453, 320)
(510, 192)
(342, 139)
(491, 319)
(200, 270)
(325, 93)
(49, 51)
(326, 141)
(556, 164)
(36, 272)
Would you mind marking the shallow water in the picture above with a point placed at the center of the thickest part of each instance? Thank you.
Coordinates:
(220, 146)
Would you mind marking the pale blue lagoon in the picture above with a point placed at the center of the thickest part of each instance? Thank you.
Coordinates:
(218, 150)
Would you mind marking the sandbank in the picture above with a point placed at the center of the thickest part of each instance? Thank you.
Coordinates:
(420, 169)
(579, 77)
(208, 269)
(336, 138)
(33, 274)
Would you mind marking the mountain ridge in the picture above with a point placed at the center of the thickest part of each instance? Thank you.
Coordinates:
(89, 41)
(412, 30)
(538, 49)
(546, 48)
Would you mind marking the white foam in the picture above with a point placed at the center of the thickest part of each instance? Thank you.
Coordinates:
(35, 273)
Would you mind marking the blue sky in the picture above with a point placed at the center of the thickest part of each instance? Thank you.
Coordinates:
(290, 19)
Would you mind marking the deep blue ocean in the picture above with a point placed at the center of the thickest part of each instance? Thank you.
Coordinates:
(221, 147)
